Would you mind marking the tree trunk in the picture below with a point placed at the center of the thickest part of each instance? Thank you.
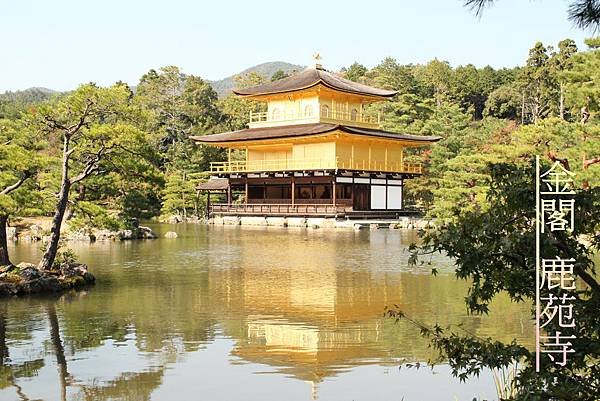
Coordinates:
(3, 346)
(61, 361)
(61, 206)
(183, 197)
(561, 104)
(523, 109)
(80, 196)
(4, 260)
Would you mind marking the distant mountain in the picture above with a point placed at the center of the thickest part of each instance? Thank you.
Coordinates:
(30, 95)
(225, 85)
(222, 86)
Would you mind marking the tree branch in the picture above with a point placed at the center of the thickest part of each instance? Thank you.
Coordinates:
(17, 184)
(92, 164)
(589, 162)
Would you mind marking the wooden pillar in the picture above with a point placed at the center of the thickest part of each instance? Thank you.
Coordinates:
(207, 204)
(333, 192)
(352, 193)
(293, 189)
(246, 190)
(229, 194)
(402, 159)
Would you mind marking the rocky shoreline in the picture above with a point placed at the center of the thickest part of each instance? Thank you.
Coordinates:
(26, 278)
(35, 232)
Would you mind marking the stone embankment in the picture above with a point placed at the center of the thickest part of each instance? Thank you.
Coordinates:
(323, 222)
(39, 232)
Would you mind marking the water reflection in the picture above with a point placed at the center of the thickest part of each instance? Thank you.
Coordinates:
(221, 305)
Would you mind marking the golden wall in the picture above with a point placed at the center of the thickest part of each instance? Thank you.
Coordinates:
(340, 153)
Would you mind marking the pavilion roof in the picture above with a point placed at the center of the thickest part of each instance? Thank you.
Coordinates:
(302, 130)
(311, 77)
(214, 184)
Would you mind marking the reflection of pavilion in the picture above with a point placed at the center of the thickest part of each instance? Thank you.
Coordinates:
(308, 318)
(298, 305)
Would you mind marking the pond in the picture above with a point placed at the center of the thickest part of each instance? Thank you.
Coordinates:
(238, 313)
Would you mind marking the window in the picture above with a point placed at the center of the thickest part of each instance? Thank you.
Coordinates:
(322, 192)
(256, 192)
(308, 111)
(325, 111)
(304, 192)
(354, 115)
(276, 114)
(343, 191)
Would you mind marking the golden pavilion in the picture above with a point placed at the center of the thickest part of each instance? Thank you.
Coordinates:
(315, 151)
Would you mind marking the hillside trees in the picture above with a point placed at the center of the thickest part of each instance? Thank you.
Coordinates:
(583, 82)
(178, 106)
(236, 110)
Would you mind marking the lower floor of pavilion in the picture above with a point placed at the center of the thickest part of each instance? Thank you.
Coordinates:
(334, 193)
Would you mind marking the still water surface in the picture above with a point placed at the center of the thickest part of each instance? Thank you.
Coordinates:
(230, 313)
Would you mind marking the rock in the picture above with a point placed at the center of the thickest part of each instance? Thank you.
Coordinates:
(11, 233)
(171, 234)
(72, 269)
(146, 233)
(24, 265)
(296, 222)
(232, 220)
(252, 221)
(394, 226)
(7, 269)
(373, 227)
(126, 234)
(174, 219)
(27, 279)
(104, 235)
(8, 290)
(28, 271)
(277, 221)
(36, 230)
(82, 235)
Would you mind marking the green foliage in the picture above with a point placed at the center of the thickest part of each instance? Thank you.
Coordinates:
(179, 195)
(355, 72)
(176, 106)
(279, 74)
(504, 102)
(583, 80)
(21, 160)
(493, 250)
(89, 214)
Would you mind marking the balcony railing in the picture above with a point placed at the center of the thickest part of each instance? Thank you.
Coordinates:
(264, 119)
(280, 209)
(318, 164)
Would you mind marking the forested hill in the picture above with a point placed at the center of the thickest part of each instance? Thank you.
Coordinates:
(28, 95)
(222, 86)
(266, 70)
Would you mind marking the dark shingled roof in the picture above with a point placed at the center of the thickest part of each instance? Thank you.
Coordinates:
(214, 184)
(299, 130)
(309, 78)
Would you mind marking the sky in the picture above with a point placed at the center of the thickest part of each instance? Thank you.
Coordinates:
(60, 44)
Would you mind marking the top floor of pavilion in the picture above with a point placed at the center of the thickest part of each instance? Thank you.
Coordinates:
(315, 96)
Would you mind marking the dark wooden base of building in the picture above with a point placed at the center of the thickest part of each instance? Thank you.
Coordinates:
(340, 194)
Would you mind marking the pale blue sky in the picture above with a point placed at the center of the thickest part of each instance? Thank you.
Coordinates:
(61, 43)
